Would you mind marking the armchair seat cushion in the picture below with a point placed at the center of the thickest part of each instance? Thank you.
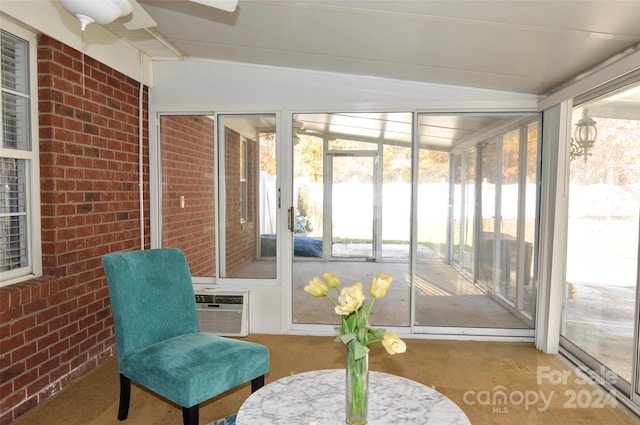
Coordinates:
(191, 368)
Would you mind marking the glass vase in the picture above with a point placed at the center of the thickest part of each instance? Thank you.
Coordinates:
(357, 389)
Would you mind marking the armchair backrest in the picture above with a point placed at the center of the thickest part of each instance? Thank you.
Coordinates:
(152, 296)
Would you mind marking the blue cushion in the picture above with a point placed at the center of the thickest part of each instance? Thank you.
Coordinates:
(192, 368)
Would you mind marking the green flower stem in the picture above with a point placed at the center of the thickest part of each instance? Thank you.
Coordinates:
(370, 308)
(357, 388)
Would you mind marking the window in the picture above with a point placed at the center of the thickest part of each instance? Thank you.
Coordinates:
(244, 192)
(19, 179)
(600, 310)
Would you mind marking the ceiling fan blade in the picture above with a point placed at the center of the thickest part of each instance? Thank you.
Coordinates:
(139, 18)
(226, 5)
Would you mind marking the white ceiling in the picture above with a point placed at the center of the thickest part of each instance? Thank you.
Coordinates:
(522, 46)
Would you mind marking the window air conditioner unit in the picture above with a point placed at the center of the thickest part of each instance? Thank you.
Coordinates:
(223, 313)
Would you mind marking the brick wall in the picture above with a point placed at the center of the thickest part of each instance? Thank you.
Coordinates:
(240, 236)
(56, 328)
(188, 148)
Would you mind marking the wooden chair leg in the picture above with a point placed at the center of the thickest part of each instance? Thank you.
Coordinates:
(190, 415)
(257, 383)
(125, 397)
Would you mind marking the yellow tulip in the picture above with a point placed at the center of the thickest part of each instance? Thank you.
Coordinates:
(380, 285)
(351, 298)
(317, 288)
(331, 279)
(393, 344)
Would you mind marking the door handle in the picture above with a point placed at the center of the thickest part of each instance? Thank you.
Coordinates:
(291, 219)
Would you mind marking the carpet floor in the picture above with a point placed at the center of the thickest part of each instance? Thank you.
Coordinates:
(538, 388)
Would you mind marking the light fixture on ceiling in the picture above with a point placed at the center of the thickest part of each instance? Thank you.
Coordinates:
(97, 11)
(584, 136)
(298, 128)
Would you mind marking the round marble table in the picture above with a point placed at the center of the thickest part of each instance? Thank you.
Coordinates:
(317, 398)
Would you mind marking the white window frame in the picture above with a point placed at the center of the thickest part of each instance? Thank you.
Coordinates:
(33, 267)
(244, 180)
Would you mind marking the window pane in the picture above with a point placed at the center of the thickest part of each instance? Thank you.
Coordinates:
(481, 282)
(14, 190)
(530, 196)
(457, 207)
(352, 189)
(308, 197)
(15, 122)
(15, 102)
(487, 268)
(248, 195)
(603, 226)
(13, 238)
(352, 205)
(468, 223)
(14, 63)
(433, 204)
(396, 202)
(351, 145)
(508, 249)
(188, 189)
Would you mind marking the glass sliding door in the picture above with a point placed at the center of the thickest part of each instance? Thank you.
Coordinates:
(356, 195)
(482, 281)
(436, 281)
(464, 209)
(352, 208)
(219, 193)
(600, 311)
(247, 196)
(517, 227)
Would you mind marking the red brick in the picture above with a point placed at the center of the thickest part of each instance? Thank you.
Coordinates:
(24, 351)
(12, 371)
(20, 325)
(25, 379)
(69, 330)
(13, 342)
(36, 387)
(46, 341)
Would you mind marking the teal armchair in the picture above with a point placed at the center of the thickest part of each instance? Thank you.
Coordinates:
(157, 338)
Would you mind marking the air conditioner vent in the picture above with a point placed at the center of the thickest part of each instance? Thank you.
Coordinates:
(223, 313)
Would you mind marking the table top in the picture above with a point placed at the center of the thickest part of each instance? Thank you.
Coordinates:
(318, 398)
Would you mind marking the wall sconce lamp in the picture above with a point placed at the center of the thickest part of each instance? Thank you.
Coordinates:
(584, 136)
